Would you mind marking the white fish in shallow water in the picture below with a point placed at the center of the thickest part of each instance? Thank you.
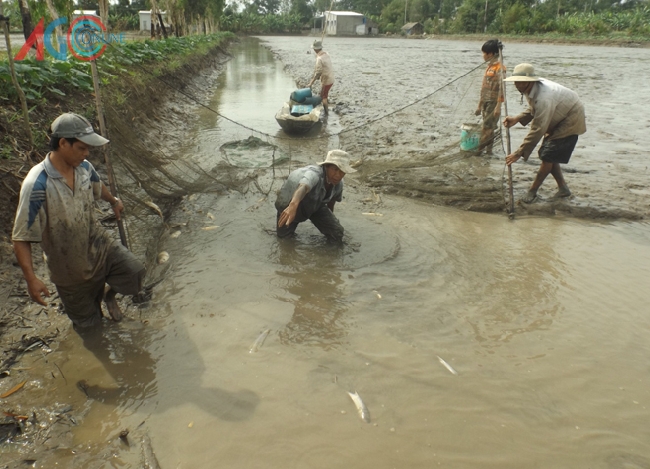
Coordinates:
(448, 366)
(259, 341)
(163, 257)
(361, 407)
(175, 234)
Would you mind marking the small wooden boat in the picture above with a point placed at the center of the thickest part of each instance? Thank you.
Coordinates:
(299, 124)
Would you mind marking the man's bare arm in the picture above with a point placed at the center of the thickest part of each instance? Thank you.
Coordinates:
(35, 286)
(116, 203)
(289, 213)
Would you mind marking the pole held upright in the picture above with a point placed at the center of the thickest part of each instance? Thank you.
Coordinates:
(109, 167)
(511, 207)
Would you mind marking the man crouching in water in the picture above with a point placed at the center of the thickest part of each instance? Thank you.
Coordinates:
(310, 194)
(56, 206)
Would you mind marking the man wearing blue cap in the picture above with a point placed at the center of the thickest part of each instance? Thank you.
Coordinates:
(56, 206)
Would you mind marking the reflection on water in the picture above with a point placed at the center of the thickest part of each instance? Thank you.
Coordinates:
(125, 357)
(311, 277)
(545, 321)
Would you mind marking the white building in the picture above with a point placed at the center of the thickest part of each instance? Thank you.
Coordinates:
(145, 19)
(77, 13)
(341, 23)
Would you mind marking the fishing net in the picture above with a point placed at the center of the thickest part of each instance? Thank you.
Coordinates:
(426, 148)
(414, 150)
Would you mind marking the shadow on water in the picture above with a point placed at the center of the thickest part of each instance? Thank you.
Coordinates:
(124, 355)
(309, 274)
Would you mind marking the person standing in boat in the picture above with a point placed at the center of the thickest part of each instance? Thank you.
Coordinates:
(323, 72)
(309, 193)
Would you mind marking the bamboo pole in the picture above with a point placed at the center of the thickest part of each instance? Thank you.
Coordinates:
(109, 167)
(511, 208)
(14, 79)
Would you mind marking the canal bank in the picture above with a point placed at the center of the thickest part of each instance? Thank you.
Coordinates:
(542, 320)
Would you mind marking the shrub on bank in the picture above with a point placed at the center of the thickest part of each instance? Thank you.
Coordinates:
(51, 86)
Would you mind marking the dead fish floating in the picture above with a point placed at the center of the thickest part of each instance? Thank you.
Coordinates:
(163, 257)
(175, 234)
(210, 228)
(448, 366)
(259, 341)
(361, 407)
(372, 214)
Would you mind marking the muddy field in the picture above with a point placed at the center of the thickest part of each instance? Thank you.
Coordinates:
(608, 173)
(416, 282)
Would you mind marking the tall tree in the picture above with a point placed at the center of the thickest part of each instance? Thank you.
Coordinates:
(26, 17)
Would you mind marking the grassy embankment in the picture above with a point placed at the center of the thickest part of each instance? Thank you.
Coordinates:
(128, 81)
(52, 85)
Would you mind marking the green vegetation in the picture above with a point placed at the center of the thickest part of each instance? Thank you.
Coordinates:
(522, 17)
(52, 85)
(254, 23)
(39, 79)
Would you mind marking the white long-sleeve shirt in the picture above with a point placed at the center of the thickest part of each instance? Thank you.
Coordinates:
(554, 110)
(324, 68)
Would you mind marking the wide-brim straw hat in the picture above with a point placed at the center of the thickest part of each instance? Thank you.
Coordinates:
(523, 72)
(340, 159)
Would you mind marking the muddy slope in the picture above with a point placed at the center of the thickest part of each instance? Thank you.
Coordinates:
(144, 122)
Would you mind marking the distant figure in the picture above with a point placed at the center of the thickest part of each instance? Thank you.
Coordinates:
(323, 71)
(489, 105)
(56, 208)
(555, 113)
(310, 194)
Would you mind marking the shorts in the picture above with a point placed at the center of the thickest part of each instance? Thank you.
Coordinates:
(325, 91)
(558, 150)
(490, 121)
(122, 271)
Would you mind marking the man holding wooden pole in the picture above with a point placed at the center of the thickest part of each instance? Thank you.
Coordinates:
(56, 208)
(555, 114)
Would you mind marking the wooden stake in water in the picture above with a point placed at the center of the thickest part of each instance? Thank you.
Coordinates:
(511, 208)
(109, 167)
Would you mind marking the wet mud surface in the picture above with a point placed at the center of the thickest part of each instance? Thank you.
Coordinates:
(40, 418)
(412, 283)
(608, 173)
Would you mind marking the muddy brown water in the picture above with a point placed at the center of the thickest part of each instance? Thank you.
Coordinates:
(545, 321)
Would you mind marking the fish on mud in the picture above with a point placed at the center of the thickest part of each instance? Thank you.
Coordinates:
(448, 366)
(259, 341)
(175, 234)
(155, 208)
(149, 460)
(361, 407)
(163, 257)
